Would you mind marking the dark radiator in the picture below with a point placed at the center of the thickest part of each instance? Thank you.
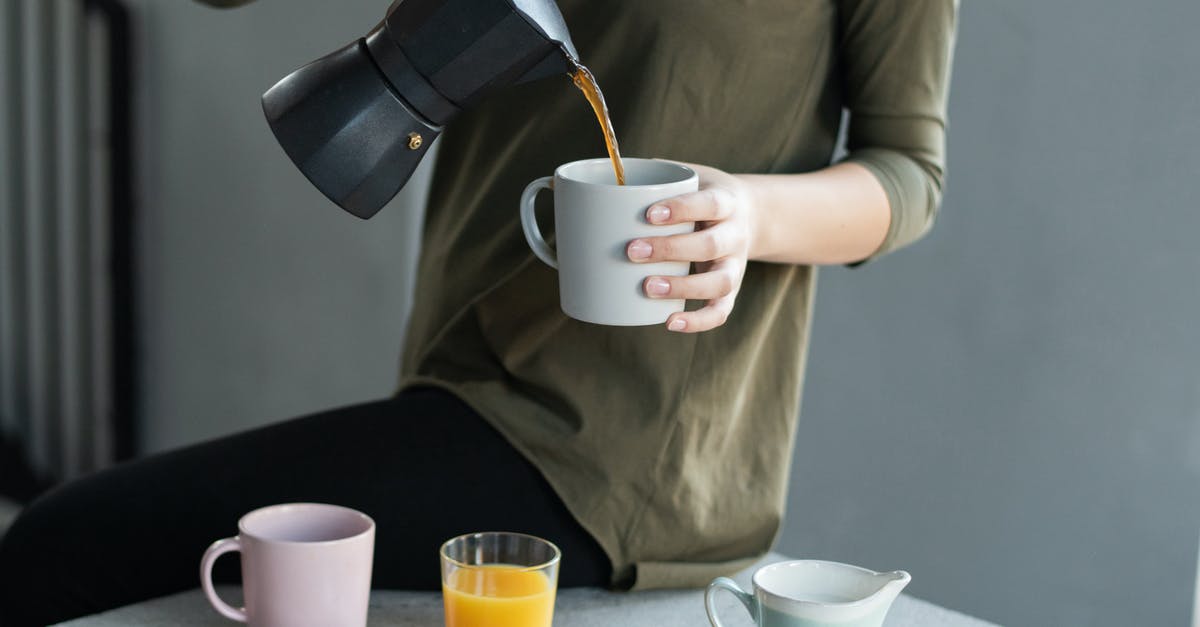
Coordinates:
(67, 376)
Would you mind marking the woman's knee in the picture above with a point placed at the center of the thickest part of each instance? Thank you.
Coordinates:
(53, 558)
(20, 546)
(27, 567)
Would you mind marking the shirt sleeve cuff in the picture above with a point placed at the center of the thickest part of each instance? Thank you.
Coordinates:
(913, 196)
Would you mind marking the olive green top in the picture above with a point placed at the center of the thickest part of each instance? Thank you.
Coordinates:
(672, 450)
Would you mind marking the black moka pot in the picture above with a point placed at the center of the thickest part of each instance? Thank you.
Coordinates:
(358, 121)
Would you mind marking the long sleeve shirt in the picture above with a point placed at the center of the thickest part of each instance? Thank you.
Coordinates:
(672, 450)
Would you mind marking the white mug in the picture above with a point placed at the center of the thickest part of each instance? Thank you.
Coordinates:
(303, 564)
(594, 220)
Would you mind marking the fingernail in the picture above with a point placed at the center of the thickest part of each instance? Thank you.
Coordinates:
(677, 324)
(639, 249)
(657, 286)
(658, 214)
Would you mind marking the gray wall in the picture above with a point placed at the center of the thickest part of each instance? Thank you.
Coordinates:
(260, 299)
(1010, 409)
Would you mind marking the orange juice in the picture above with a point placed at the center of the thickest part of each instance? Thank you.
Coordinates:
(498, 595)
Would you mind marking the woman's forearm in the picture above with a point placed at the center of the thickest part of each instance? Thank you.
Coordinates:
(836, 215)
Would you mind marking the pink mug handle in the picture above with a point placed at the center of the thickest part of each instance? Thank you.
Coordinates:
(219, 548)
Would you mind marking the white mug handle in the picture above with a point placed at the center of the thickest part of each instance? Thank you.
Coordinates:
(219, 548)
(726, 583)
(529, 224)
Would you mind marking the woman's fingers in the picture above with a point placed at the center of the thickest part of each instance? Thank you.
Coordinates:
(703, 286)
(712, 243)
(719, 248)
(719, 286)
(706, 318)
(713, 203)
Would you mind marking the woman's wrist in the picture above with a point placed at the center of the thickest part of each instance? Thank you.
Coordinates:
(750, 192)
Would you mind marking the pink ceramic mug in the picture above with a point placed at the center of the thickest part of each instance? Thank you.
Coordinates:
(302, 564)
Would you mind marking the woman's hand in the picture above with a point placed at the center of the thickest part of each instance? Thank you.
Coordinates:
(718, 248)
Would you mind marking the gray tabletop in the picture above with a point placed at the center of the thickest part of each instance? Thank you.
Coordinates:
(586, 607)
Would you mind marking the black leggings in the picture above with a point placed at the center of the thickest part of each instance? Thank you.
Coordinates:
(423, 465)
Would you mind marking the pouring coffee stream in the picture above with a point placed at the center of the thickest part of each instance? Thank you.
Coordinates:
(583, 79)
(358, 121)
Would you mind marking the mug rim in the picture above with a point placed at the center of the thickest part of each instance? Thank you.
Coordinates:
(560, 176)
(245, 533)
(838, 604)
(542, 566)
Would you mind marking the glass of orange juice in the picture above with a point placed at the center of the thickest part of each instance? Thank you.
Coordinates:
(499, 579)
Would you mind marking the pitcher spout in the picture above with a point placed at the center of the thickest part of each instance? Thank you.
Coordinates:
(894, 582)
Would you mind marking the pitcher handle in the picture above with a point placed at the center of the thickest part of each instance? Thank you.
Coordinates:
(710, 598)
(529, 224)
(219, 548)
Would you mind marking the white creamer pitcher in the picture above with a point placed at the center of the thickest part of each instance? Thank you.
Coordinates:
(814, 593)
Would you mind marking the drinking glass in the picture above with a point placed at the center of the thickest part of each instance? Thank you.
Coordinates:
(499, 579)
